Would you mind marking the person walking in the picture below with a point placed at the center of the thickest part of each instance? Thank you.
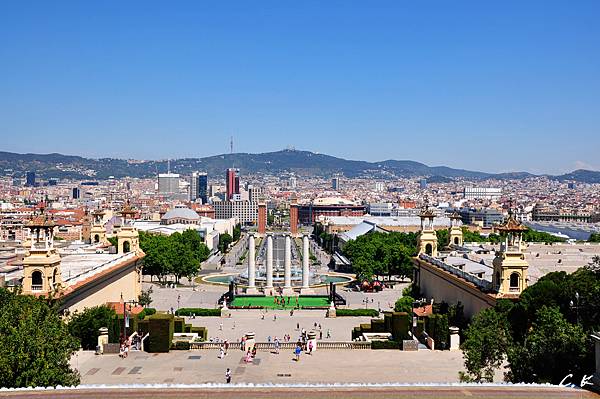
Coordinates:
(328, 333)
(297, 351)
(228, 376)
(220, 326)
(277, 345)
(221, 352)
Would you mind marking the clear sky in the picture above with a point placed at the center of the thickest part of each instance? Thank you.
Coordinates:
(492, 86)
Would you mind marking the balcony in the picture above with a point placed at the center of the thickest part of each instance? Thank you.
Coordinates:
(36, 287)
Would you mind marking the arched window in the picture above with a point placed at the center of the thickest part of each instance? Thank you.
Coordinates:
(54, 277)
(96, 238)
(37, 281)
(514, 281)
(126, 246)
(429, 249)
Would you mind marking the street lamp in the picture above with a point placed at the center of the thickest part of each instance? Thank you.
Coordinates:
(575, 306)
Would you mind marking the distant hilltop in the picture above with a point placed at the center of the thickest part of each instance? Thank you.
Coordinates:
(302, 163)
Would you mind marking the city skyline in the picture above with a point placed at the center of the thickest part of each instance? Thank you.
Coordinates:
(412, 83)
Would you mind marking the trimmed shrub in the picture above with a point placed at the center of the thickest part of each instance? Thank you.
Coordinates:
(179, 324)
(386, 345)
(198, 312)
(378, 326)
(400, 325)
(202, 332)
(161, 328)
(182, 346)
(357, 312)
(437, 327)
(146, 312)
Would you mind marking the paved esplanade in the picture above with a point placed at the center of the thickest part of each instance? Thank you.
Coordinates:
(324, 366)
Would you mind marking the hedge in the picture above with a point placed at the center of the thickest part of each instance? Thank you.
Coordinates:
(386, 345)
(146, 312)
(357, 312)
(161, 332)
(182, 345)
(198, 312)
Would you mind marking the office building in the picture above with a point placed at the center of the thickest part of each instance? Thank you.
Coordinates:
(423, 184)
(335, 183)
(76, 193)
(168, 183)
(490, 193)
(379, 186)
(380, 209)
(484, 217)
(30, 179)
(245, 211)
(232, 183)
(199, 187)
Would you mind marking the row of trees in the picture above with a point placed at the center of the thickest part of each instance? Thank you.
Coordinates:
(382, 254)
(544, 336)
(178, 255)
(529, 235)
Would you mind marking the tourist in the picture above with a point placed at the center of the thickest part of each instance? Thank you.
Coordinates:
(228, 376)
(298, 326)
(274, 317)
(226, 345)
(220, 326)
(269, 339)
(297, 351)
(243, 343)
(277, 345)
(310, 347)
(328, 333)
(320, 334)
(292, 312)
(233, 326)
(221, 352)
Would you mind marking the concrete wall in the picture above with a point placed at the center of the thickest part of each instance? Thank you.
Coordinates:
(443, 286)
(125, 280)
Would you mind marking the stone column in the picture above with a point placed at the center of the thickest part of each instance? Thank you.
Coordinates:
(305, 268)
(287, 267)
(251, 265)
(269, 267)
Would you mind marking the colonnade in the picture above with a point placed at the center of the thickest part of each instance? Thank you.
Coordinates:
(287, 265)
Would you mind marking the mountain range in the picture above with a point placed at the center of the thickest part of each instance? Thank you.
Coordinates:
(278, 162)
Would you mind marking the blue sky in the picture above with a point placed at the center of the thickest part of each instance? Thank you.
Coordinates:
(492, 86)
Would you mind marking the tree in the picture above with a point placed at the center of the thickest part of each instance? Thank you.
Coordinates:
(145, 298)
(224, 241)
(237, 232)
(443, 238)
(404, 304)
(485, 346)
(35, 344)
(594, 237)
(553, 349)
(85, 325)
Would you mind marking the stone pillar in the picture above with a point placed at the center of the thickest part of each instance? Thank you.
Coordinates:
(287, 267)
(454, 339)
(251, 265)
(305, 266)
(269, 267)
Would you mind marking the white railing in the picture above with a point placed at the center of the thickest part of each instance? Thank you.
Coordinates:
(479, 282)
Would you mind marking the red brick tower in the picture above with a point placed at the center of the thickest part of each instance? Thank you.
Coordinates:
(262, 217)
(294, 216)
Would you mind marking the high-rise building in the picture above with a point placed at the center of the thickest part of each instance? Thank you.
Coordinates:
(423, 184)
(30, 179)
(168, 183)
(293, 182)
(335, 183)
(232, 183)
(199, 187)
(203, 187)
(76, 193)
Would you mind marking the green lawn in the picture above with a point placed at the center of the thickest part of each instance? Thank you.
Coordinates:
(269, 302)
